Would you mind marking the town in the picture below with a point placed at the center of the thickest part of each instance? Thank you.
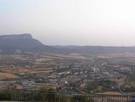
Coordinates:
(68, 74)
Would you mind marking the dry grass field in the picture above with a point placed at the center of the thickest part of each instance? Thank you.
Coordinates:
(7, 76)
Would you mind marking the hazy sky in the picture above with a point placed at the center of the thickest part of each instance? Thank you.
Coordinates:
(71, 22)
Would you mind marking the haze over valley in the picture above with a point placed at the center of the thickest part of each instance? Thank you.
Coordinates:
(27, 64)
(67, 50)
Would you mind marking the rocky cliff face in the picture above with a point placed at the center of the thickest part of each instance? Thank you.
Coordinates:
(20, 36)
(21, 43)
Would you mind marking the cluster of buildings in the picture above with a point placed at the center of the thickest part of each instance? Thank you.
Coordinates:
(69, 76)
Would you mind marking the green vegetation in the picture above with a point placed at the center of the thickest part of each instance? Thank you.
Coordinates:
(94, 87)
(44, 94)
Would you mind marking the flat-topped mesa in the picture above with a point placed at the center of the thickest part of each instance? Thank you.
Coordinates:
(20, 42)
(17, 36)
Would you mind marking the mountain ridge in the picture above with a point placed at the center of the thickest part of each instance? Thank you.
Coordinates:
(20, 42)
(13, 43)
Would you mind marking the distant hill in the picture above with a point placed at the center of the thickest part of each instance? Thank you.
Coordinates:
(20, 43)
(93, 49)
(26, 43)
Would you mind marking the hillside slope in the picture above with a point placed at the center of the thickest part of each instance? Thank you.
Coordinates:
(20, 43)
